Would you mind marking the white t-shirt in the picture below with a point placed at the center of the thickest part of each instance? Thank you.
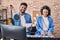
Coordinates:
(45, 23)
(23, 22)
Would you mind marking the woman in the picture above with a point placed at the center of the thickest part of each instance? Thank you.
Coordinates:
(44, 23)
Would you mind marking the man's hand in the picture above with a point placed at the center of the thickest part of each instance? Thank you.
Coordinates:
(29, 28)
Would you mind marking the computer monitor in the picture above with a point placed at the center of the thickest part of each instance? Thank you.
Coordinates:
(14, 32)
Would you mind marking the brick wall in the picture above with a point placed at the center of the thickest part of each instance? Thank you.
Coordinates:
(34, 7)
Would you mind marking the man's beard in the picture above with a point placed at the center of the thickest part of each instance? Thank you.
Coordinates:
(23, 12)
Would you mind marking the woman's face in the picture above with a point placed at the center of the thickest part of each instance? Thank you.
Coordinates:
(45, 12)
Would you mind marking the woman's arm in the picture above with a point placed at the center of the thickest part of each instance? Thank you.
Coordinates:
(38, 27)
(51, 27)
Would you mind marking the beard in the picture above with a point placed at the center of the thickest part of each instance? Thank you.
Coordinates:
(22, 11)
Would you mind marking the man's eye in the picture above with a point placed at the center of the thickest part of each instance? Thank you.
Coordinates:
(22, 7)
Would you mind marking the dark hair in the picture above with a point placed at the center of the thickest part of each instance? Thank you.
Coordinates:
(46, 7)
(24, 4)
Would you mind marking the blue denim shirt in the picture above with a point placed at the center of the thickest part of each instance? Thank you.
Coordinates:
(18, 22)
(39, 25)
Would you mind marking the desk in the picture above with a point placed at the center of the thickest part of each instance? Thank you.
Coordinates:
(33, 37)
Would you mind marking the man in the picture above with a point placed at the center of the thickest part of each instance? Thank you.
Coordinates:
(22, 19)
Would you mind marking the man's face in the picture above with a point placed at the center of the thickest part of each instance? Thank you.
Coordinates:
(23, 8)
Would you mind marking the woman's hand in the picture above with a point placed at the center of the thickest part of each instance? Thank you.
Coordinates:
(42, 34)
(50, 35)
